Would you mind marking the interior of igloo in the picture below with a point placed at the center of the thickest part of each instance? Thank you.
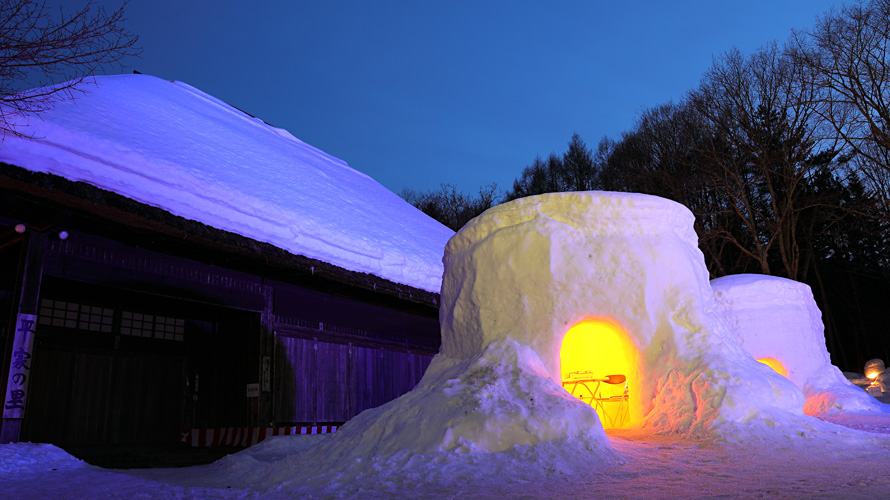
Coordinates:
(599, 363)
(534, 269)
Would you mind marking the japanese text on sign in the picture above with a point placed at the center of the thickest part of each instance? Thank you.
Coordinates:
(20, 368)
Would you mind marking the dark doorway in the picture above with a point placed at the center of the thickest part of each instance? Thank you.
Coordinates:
(92, 396)
(118, 367)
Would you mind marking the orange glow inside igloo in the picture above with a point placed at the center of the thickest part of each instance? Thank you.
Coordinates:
(600, 366)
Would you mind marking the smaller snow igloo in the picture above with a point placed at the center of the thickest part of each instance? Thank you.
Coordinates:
(777, 321)
(533, 270)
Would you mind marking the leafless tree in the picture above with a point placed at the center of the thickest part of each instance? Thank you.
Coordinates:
(54, 52)
(765, 148)
(848, 51)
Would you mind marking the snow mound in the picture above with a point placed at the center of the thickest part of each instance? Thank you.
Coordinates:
(169, 145)
(497, 412)
(777, 318)
(17, 459)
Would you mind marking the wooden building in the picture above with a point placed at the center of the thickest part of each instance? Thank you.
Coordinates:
(125, 324)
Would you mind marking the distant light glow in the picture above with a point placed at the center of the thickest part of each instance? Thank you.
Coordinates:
(776, 365)
(873, 368)
(598, 349)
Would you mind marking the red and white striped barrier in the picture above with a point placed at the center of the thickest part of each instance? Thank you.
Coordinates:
(247, 436)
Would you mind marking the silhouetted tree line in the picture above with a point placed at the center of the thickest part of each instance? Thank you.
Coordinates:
(783, 156)
(450, 207)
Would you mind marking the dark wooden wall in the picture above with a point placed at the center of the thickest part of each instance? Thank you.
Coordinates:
(348, 312)
(320, 381)
(333, 357)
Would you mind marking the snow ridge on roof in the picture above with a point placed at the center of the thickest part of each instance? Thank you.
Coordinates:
(170, 145)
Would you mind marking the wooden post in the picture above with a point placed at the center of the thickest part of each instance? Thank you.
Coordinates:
(265, 414)
(21, 360)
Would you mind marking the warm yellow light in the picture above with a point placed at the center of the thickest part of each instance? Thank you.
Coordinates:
(874, 368)
(776, 365)
(595, 349)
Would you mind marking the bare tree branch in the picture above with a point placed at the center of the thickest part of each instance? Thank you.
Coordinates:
(849, 54)
(55, 52)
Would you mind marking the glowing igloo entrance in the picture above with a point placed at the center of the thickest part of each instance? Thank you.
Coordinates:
(599, 364)
(775, 364)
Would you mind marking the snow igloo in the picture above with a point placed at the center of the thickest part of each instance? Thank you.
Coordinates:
(777, 321)
(599, 284)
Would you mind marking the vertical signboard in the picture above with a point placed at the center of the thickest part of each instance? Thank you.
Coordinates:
(20, 367)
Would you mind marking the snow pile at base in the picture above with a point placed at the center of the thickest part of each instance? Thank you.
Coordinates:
(169, 145)
(531, 269)
(18, 459)
(778, 318)
(497, 412)
(655, 467)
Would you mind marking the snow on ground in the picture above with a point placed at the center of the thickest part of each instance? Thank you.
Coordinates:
(169, 145)
(648, 466)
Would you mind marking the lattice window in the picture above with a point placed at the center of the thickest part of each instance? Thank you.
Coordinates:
(73, 315)
(137, 324)
(169, 328)
(148, 325)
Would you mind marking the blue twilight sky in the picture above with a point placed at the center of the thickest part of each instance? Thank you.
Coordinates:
(420, 93)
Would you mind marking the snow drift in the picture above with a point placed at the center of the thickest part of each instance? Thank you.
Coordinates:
(169, 145)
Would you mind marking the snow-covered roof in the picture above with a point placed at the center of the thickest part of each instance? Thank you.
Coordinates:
(169, 145)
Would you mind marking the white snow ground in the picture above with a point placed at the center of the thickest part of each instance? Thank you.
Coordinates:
(170, 145)
(648, 466)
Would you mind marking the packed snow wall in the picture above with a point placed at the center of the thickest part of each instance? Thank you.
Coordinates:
(777, 318)
(531, 269)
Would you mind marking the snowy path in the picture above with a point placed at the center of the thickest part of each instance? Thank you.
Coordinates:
(652, 468)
